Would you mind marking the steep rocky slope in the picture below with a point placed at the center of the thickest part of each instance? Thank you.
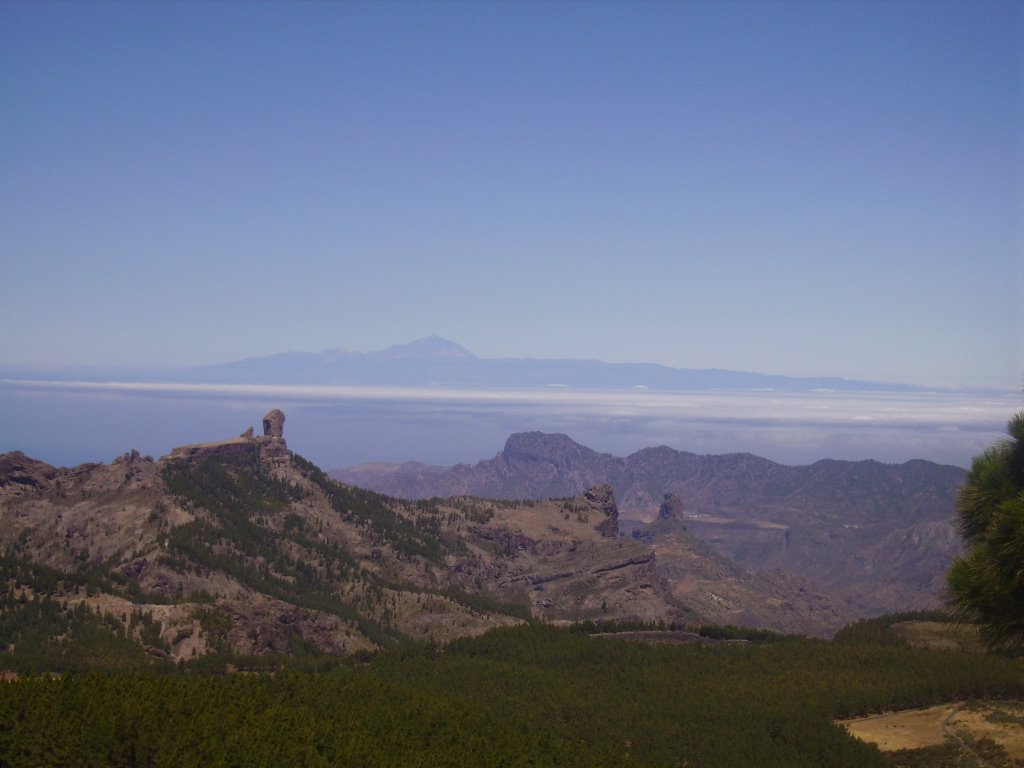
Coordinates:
(244, 547)
(877, 537)
(712, 583)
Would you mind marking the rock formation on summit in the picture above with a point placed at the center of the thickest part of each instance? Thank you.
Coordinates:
(601, 499)
(271, 444)
(671, 508)
(273, 424)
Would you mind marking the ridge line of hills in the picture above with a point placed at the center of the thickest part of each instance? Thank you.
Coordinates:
(244, 548)
(878, 535)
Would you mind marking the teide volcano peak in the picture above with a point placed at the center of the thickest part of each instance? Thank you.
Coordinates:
(434, 360)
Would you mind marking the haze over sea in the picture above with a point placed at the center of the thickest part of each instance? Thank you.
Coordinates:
(67, 422)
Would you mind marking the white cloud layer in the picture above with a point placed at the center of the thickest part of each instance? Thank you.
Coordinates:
(74, 421)
(947, 411)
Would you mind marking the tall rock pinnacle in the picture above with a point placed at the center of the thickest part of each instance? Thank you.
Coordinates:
(601, 499)
(671, 508)
(273, 424)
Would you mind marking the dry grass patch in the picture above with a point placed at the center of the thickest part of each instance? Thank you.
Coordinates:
(986, 733)
(999, 721)
(910, 729)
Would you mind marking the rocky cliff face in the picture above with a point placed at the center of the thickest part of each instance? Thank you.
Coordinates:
(710, 582)
(820, 522)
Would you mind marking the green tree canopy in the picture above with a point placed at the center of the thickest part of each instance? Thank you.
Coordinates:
(987, 583)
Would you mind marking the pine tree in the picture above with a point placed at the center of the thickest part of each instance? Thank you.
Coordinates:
(987, 583)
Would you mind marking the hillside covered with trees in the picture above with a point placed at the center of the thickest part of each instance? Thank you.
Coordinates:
(522, 696)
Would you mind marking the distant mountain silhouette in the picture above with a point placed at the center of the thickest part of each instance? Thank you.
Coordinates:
(435, 361)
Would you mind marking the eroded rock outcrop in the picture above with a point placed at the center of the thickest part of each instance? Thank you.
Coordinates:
(671, 508)
(273, 424)
(601, 498)
(272, 445)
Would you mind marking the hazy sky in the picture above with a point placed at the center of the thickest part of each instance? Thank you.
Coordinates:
(796, 188)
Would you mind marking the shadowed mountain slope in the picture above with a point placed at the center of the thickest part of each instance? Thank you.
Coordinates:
(878, 535)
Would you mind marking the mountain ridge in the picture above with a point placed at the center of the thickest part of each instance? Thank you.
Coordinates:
(243, 547)
(831, 521)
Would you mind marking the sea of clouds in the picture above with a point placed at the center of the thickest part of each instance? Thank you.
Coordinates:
(69, 422)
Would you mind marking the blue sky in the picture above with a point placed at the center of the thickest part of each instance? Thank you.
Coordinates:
(795, 188)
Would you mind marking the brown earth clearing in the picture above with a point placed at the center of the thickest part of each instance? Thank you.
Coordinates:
(976, 733)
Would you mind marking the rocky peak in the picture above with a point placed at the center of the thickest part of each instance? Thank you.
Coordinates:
(273, 424)
(559, 453)
(132, 457)
(18, 473)
(601, 498)
(671, 508)
(540, 446)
